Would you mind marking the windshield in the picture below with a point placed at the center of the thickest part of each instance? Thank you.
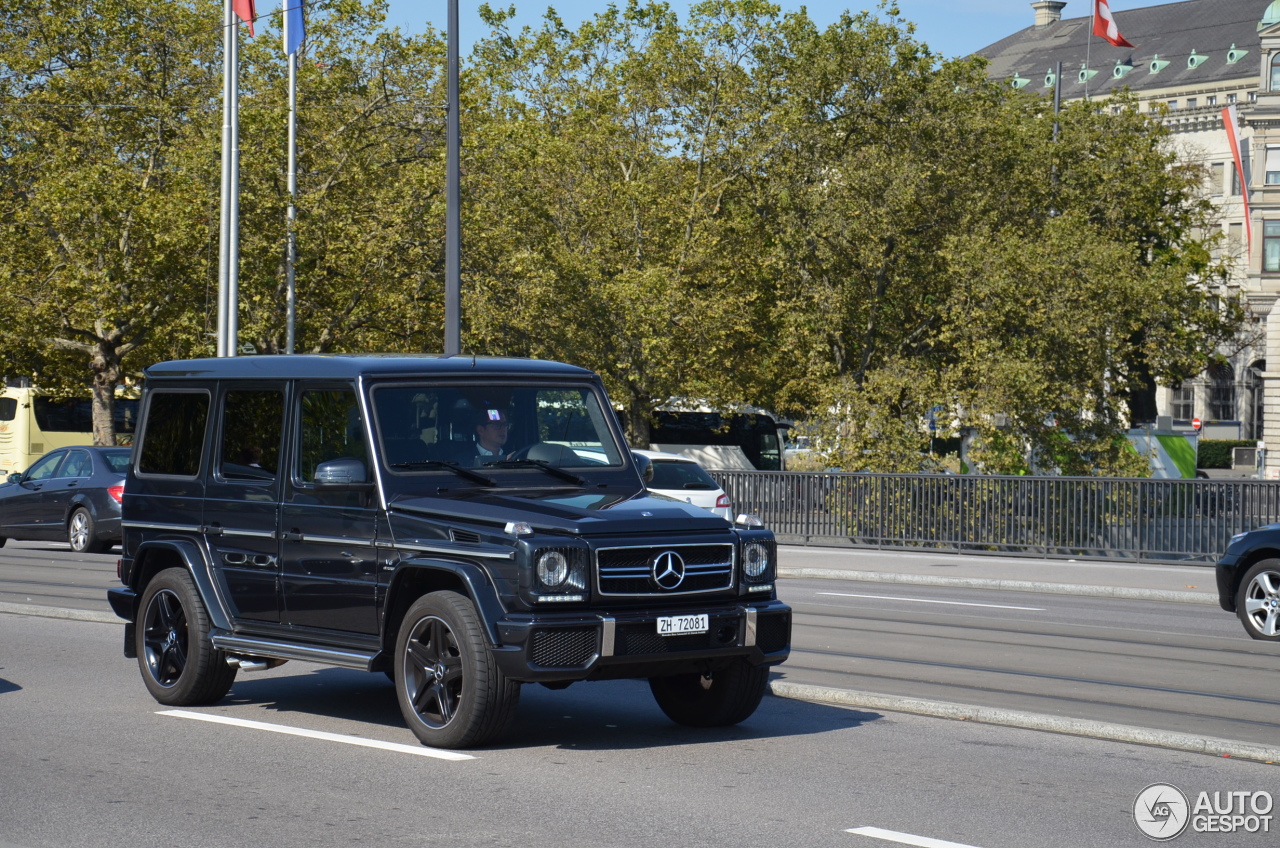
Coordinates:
(423, 429)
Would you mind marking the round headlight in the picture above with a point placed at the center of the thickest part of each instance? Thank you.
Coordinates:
(755, 559)
(553, 568)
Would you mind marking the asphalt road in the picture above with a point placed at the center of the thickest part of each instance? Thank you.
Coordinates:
(88, 760)
(1173, 667)
(1176, 667)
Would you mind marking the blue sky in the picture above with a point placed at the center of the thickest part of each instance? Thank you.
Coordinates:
(949, 27)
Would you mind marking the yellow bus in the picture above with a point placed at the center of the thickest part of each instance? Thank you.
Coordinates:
(33, 423)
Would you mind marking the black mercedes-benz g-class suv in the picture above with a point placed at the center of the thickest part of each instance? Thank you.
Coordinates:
(462, 524)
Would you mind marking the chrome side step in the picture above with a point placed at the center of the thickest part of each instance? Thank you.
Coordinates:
(246, 647)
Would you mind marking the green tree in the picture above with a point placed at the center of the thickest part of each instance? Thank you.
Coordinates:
(103, 242)
(604, 185)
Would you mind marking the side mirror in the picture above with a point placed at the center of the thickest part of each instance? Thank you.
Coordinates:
(342, 475)
(14, 478)
(645, 466)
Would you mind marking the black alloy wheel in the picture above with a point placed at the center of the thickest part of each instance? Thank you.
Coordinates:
(451, 692)
(179, 664)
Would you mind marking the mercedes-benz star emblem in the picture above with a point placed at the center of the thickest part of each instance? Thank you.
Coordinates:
(668, 570)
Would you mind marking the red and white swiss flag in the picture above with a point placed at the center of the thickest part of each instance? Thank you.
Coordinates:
(1104, 26)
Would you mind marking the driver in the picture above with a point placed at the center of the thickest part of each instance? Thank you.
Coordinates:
(492, 429)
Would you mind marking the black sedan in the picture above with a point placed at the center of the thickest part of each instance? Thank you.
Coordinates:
(1249, 581)
(70, 493)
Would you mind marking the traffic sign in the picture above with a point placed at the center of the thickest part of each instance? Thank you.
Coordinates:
(1195, 423)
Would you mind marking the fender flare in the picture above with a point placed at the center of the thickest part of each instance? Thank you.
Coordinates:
(194, 560)
(473, 578)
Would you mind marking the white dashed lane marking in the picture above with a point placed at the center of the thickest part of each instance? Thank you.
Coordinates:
(927, 601)
(416, 750)
(906, 838)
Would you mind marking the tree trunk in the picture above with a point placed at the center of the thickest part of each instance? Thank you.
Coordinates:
(637, 422)
(106, 376)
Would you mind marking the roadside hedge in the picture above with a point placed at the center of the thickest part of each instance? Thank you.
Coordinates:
(1216, 453)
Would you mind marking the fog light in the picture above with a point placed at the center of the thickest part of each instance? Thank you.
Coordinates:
(755, 559)
(553, 568)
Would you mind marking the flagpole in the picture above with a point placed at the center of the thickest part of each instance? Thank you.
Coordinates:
(233, 240)
(224, 223)
(1088, 47)
(453, 217)
(291, 214)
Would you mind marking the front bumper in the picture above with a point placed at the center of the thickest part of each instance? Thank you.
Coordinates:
(566, 646)
(1225, 572)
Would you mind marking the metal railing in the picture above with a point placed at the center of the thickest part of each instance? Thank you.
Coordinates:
(1083, 517)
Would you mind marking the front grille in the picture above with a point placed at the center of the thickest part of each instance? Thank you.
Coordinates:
(637, 639)
(564, 647)
(629, 571)
(773, 632)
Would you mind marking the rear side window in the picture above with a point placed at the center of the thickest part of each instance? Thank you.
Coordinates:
(77, 464)
(173, 435)
(252, 424)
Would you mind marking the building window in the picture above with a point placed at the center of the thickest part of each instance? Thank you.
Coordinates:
(1259, 414)
(1191, 102)
(1235, 181)
(1275, 72)
(1271, 245)
(1222, 392)
(1235, 236)
(1217, 172)
(1184, 403)
(1211, 100)
(1273, 166)
(1173, 104)
(1231, 98)
(1253, 97)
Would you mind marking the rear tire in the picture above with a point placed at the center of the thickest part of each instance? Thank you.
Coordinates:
(722, 698)
(179, 664)
(1258, 601)
(81, 532)
(451, 691)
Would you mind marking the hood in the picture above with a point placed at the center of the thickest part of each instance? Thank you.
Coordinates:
(584, 513)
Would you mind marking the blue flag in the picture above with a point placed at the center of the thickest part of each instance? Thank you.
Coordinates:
(294, 28)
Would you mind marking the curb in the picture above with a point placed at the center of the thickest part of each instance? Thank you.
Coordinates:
(56, 612)
(1028, 721)
(1119, 592)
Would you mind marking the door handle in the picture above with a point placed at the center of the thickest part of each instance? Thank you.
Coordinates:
(291, 536)
(212, 529)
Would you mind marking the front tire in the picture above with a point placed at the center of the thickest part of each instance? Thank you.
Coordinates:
(451, 692)
(81, 532)
(1258, 601)
(179, 664)
(720, 698)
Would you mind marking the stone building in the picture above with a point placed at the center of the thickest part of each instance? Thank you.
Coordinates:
(1190, 60)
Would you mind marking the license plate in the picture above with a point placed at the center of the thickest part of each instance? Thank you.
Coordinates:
(672, 625)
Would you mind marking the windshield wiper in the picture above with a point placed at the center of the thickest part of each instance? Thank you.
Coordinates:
(447, 466)
(538, 463)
